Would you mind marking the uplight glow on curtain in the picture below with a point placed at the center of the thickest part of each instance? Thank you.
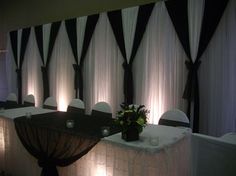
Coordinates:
(61, 70)
(2, 144)
(31, 71)
(103, 68)
(159, 70)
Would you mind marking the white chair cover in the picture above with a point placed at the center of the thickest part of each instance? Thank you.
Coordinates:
(102, 107)
(76, 106)
(50, 103)
(176, 116)
(29, 99)
(77, 103)
(12, 97)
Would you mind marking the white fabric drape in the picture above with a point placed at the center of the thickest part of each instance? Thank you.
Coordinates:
(61, 72)
(195, 14)
(31, 71)
(129, 20)
(11, 64)
(159, 70)
(81, 24)
(217, 78)
(10, 69)
(103, 72)
(46, 35)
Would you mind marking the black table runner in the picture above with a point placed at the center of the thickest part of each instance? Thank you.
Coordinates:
(46, 137)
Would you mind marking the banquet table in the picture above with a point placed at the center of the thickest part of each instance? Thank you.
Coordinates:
(168, 155)
(14, 159)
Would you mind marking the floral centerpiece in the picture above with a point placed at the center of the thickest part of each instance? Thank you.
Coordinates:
(132, 119)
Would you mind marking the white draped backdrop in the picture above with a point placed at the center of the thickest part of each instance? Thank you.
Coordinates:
(159, 70)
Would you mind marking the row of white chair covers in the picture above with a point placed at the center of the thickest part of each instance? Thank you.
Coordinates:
(28, 100)
(51, 103)
(174, 117)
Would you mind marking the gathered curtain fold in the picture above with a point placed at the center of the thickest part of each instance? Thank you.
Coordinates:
(115, 18)
(71, 29)
(45, 68)
(178, 12)
(23, 44)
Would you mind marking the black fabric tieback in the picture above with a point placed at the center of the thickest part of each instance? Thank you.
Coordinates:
(189, 90)
(78, 82)
(45, 82)
(77, 69)
(48, 167)
(18, 71)
(128, 83)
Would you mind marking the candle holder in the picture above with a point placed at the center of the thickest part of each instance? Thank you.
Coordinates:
(154, 140)
(105, 130)
(70, 123)
(28, 115)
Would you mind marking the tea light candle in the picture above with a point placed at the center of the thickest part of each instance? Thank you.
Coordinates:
(70, 123)
(1, 110)
(105, 131)
(28, 115)
(154, 141)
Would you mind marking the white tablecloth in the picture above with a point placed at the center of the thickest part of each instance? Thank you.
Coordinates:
(115, 157)
(110, 157)
(213, 156)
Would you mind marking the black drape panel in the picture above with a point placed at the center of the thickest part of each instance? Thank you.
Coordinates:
(45, 68)
(115, 19)
(39, 39)
(24, 41)
(178, 11)
(72, 34)
(13, 39)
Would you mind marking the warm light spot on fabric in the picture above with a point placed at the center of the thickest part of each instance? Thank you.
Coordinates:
(100, 171)
(62, 103)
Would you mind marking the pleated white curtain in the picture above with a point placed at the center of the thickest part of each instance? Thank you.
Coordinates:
(11, 65)
(129, 20)
(10, 69)
(159, 70)
(81, 24)
(217, 78)
(61, 72)
(103, 72)
(31, 71)
(195, 14)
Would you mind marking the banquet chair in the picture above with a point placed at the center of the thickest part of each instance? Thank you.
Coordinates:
(11, 101)
(174, 117)
(101, 109)
(50, 103)
(77, 106)
(29, 100)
